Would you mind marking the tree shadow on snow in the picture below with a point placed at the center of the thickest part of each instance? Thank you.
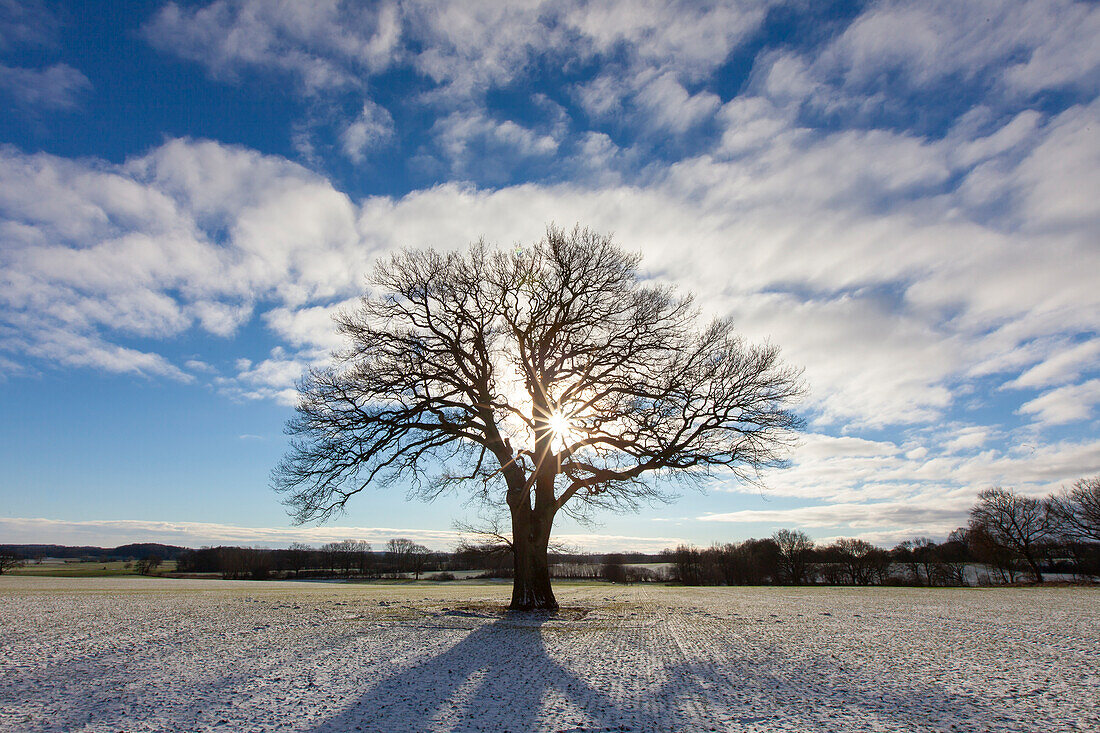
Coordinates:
(499, 676)
(495, 679)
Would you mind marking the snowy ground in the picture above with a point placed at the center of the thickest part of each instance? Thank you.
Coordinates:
(144, 654)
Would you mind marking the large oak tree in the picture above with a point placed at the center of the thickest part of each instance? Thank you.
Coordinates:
(546, 379)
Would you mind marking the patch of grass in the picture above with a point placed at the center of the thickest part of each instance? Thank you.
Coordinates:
(86, 569)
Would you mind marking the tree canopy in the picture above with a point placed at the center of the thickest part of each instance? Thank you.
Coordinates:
(545, 378)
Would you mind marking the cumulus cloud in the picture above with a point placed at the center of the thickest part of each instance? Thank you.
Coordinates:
(274, 378)
(886, 300)
(929, 479)
(188, 235)
(26, 23)
(473, 143)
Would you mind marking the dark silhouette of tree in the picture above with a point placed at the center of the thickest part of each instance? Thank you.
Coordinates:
(1019, 524)
(614, 568)
(862, 562)
(548, 379)
(795, 550)
(297, 557)
(952, 557)
(918, 555)
(1076, 511)
(9, 561)
(147, 565)
(407, 556)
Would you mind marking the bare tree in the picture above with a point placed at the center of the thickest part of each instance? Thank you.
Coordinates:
(407, 556)
(548, 379)
(1019, 524)
(860, 560)
(917, 555)
(1077, 510)
(794, 554)
(146, 565)
(297, 556)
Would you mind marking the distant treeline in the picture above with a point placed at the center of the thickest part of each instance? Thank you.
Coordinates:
(963, 559)
(138, 551)
(1010, 538)
(400, 557)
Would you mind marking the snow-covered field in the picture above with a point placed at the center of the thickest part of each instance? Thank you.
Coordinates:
(144, 654)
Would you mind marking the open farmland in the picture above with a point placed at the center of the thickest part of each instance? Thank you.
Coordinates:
(147, 654)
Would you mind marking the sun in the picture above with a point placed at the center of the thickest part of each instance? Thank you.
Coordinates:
(561, 427)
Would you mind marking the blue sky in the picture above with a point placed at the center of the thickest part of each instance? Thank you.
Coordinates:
(902, 195)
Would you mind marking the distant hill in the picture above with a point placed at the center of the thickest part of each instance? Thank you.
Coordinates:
(136, 551)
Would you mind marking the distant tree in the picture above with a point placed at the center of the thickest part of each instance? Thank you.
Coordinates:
(984, 549)
(407, 556)
(952, 558)
(1076, 511)
(494, 557)
(1019, 524)
(549, 379)
(297, 557)
(349, 555)
(10, 561)
(148, 564)
(757, 562)
(795, 550)
(419, 558)
(614, 568)
(687, 565)
(918, 556)
(364, 556)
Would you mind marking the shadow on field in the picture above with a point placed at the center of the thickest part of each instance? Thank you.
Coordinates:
(495, 679)
(499, 676)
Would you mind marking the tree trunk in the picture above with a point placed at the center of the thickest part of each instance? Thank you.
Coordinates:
(1034, 564)
(531, 590)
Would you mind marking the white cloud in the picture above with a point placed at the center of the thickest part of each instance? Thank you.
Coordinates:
(888, 300)
(1065, 365)
(928, 42)
(310, 327)
(671, 107)
(372, 129)
(968, 438)
(469, 49)
(188, 235)
(856, 516)
(59, 86)
(27, 23)
(112, 533)
(475, 143)
(893, 489)
(274, 378)
(324, 44)
(75, 350)
(1072, 403)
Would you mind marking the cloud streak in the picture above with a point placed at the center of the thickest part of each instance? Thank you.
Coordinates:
(111, 533)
